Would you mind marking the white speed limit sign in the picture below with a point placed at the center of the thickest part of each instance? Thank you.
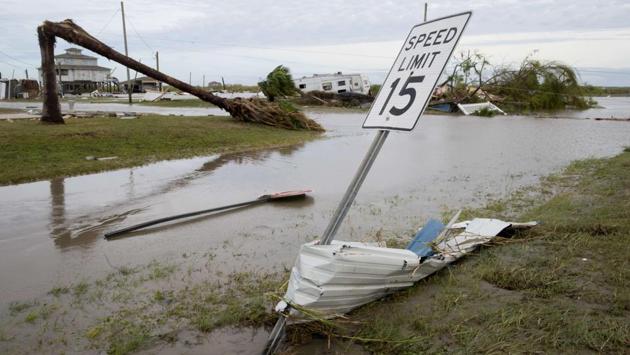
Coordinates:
(412, 79)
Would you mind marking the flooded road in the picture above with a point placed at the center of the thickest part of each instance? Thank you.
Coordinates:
(51, 231)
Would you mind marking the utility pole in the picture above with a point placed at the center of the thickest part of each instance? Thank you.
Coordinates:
(129, 86)
(426, 5)
(26, 72)
(157, 67)
(189, 78)
(203, 81)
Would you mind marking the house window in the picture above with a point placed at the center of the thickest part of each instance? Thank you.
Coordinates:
(340, 91)
(327, 86)
(302, 86)
(341, 83)
(356, 84)
(63, 71)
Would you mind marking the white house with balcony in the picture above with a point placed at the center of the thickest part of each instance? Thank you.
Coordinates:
(335, 83)
(79, 73)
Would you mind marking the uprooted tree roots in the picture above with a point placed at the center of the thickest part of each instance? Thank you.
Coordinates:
(247, 110)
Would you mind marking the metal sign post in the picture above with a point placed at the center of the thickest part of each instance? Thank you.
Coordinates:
(398, 106)
(353, 189)
(419, 65)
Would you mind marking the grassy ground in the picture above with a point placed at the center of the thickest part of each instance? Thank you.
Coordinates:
(31, 151)
(563, 287)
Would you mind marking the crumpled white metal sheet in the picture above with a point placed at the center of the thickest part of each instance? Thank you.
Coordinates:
(334, 279)
(341, 276)
(469, 109)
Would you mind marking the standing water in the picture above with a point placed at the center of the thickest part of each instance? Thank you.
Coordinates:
(51, 231)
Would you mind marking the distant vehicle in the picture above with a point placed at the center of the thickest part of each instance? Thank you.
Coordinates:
(335, 83)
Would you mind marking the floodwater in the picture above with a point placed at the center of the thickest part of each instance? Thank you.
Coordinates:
(51, 231)
(120, 107)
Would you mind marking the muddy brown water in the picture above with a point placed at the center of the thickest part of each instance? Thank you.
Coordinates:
(51, 231)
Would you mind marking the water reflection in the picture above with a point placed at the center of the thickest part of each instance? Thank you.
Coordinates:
(248, 157)
(58, 210)
(85, 230)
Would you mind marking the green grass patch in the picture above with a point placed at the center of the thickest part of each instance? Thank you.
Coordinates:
(57, 291)
(19, 307)
(30, 150)
(80, 289)
(31, 317)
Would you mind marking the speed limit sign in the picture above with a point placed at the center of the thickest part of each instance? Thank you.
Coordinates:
(412, 79)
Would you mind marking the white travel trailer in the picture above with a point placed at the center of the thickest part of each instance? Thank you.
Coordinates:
(336, 83)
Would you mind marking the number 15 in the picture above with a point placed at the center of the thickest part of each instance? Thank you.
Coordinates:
(404, 91)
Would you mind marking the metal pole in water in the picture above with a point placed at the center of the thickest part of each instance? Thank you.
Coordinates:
(353, 189)
(277, 333)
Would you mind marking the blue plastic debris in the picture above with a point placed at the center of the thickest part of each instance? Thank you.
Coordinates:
(426, 235)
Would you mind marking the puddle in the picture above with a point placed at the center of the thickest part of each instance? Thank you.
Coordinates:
(51, 231)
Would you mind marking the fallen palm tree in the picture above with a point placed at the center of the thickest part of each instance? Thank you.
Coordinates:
(247, 110)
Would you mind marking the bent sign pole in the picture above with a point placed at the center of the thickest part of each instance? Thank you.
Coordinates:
(398, 106)
(404, 95)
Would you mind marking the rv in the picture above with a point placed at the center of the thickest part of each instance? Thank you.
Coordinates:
(335, 83)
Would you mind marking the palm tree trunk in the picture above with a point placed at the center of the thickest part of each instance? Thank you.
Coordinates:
(51, 112)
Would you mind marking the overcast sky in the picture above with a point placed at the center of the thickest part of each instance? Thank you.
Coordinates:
(243, 40)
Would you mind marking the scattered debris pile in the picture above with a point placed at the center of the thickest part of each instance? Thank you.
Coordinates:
(18, 88)
(532, 86)
(247, 110)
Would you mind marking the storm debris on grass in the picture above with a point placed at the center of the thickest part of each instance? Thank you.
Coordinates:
(562, 287)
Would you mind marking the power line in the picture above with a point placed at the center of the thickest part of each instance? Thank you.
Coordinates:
(216, 44)
(332, 65)
(13, 65)
(138, 34)
(108, 22)
(17, 60)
